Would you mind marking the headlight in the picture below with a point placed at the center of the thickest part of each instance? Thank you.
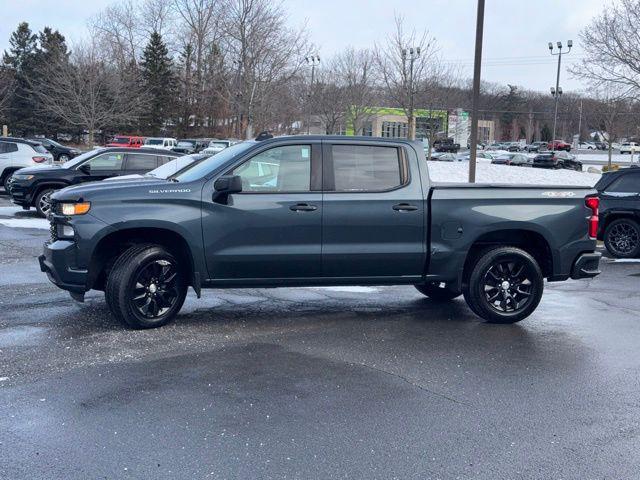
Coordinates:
(21, 176)
(75, 208)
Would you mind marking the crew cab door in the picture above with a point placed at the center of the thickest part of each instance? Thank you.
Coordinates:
(373, 211)
(272, 229)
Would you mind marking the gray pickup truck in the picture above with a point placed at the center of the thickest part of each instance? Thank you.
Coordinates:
(312, 210)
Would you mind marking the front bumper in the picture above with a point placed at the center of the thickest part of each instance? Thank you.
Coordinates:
(57, 262)
(587, 265)
(20, 193)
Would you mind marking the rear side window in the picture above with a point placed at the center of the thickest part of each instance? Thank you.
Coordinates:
(39, 149)
(162, 159)
(139, 161)
(626, 184)
(6, 147)
(364, 168)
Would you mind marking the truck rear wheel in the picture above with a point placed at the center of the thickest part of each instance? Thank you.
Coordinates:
(505, 285)
(146, 287)
(437, 293)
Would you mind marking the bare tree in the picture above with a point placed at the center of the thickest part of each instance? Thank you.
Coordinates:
(612, 48)
(355, 76)
(264, 53)
(88, 92)
(6, 90)
(117, 29)
(402, 76)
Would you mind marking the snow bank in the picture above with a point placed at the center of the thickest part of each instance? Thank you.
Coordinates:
(487, 173)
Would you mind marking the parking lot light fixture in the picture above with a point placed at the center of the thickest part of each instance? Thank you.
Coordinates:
(557, 91)
(313, 61)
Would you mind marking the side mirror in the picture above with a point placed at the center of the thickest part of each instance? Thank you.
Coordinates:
(86, 169)
(225, 186)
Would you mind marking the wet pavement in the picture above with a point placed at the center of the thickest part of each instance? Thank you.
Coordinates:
(364, 382)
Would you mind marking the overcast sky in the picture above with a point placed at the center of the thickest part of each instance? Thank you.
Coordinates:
(515, 36)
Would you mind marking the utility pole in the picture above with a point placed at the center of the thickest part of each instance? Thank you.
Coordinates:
(579, 125)
(477, 68)
(557, 91)
(412, 54)
(314, 61)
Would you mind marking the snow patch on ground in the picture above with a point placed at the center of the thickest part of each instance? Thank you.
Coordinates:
(39, 223)
(349, 289)
(458, 172)
(623, 260)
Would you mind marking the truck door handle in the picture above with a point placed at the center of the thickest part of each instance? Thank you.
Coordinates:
(303, 207)
(404, 207)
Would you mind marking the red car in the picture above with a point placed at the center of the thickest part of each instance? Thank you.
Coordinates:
(559, 145)
(126, 141)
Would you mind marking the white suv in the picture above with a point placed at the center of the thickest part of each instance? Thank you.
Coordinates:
(161, 142)
(629, 147)
(16, 153)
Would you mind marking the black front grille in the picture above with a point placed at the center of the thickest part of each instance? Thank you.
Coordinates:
(53, 231)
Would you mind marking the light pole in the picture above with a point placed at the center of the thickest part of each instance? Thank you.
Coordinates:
(477, 64)
(557, 91)
(314, 61)
(411, 54)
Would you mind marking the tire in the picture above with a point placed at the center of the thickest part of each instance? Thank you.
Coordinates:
(437, 293)
(43, 202)
(162, 290)
(622, 238)
(509, 276)
(63, 157)
(5, 182)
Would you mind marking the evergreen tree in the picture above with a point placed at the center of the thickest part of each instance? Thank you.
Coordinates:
(21, 60)
(160, 83)
(52, 53)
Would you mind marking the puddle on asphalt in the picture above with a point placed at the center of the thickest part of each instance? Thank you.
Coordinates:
(22, 336)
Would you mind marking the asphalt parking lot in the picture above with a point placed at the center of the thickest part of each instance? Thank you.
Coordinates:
(355, 382)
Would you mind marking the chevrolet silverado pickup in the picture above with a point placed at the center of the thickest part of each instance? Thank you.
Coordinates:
(317, 210)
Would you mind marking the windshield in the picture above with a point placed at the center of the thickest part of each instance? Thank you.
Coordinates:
(186, 143)
(154, 141)
(81, 158)
(123, 140)
(176, 165)
(209, 165)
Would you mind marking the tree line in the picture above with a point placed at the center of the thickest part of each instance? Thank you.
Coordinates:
(234, 67)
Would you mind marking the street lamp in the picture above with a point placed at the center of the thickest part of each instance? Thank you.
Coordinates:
(557, 91)
(314, 61)
(411, 54)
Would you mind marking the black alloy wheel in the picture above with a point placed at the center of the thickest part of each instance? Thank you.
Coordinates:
(156, 289)
(507, 286)
(622, 238)
(504, 285)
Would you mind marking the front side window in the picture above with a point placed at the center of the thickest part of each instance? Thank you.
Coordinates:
(108, 161)
(279, 169)
(363, 168)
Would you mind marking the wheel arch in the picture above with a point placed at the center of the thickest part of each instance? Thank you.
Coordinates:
(110, 246)
(530, 241)
(46, 184)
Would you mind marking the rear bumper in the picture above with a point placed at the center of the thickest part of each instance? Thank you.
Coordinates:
(587, 265)
(56, 262)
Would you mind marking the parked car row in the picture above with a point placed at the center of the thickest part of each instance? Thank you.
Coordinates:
(184, 146)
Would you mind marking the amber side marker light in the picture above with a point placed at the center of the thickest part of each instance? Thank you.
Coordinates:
(76, 208)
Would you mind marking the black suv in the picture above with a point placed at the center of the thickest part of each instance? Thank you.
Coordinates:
(620, 212)
(32, 187)
(557, 160)
(188, 146)
(60, 152)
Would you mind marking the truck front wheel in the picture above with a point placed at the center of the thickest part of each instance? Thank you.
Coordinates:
(437, 293)
(146, 287)
(504, 285)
